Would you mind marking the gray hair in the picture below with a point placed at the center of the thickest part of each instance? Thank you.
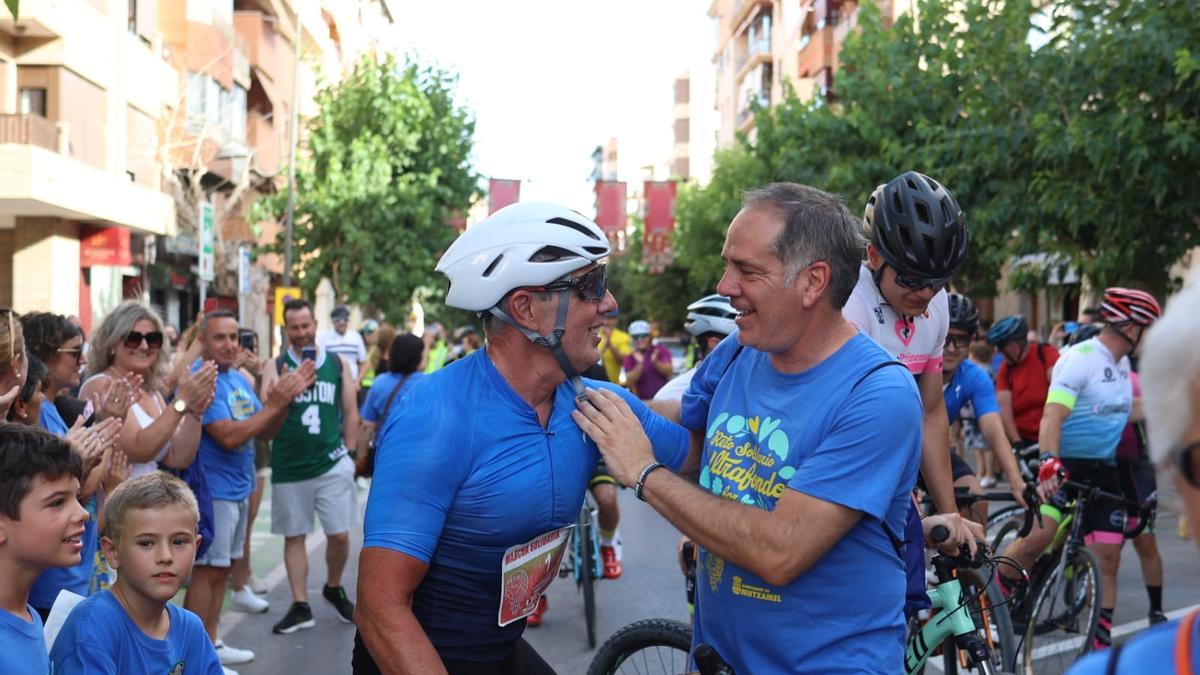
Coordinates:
(817, 228)
(113, 330)
(1170, 364)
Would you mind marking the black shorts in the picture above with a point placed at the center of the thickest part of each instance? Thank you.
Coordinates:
(1138, 483)
(602, 476)
(1106, 520)
(959, 467)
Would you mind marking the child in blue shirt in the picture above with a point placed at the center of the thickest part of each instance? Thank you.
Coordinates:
(150, 540)
(41, 526)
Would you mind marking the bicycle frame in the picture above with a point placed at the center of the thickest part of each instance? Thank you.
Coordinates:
(954, 620)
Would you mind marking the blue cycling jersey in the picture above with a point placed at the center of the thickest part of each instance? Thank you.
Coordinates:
(463, 471)
(970, 384)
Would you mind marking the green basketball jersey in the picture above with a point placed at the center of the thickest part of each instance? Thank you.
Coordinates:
(310, 442)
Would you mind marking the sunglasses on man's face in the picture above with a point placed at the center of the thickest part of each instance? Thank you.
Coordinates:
(1186, 459)
(958, 341)
(154, 339)
(915, 283)
(77, 352)
(591, 286)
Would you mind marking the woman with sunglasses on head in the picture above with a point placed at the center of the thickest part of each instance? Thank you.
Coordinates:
(129, 345)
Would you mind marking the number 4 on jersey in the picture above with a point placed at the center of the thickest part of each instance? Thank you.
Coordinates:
(312, 419)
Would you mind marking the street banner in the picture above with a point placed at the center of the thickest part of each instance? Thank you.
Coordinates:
(501, 193)
(610, 206)
(660, 206)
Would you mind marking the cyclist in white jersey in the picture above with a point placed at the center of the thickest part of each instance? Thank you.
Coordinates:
(1087, 408)
(918, 238)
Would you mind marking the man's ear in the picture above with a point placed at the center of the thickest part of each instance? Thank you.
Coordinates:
(813, 282)
(521, 308)
(874, 260)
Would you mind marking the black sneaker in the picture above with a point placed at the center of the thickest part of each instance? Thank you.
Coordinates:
(1157, 618)
(337, 598)
(299, 615)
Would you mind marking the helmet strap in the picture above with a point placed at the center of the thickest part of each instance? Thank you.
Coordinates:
(551, 340)
(1133, 344)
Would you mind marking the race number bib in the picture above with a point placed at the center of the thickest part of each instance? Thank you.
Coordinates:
(527, 571)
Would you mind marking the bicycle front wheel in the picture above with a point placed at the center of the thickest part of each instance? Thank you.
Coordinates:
(990, 614)
(1064, 615)
(648, 647)
(587, 580)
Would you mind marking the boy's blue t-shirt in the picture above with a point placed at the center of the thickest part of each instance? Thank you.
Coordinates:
(1152, 651)
(100, 638)
(832, 435)
(77, 579)
(23, 644)
(377, 395)
(970, 384)
(230, 472)
(51, 421)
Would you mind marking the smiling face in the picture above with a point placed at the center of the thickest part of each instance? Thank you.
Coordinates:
(155, 553)
(221, 341)
(137, 359)
(905, 301)
(958, 344)
(301, 328)
(66, 363)
(50, 530)
(585, 318)
(753, 281)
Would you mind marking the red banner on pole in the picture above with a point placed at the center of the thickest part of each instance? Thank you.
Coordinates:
(105, 246)
(610, 206)
(501, 193)
(660, 206)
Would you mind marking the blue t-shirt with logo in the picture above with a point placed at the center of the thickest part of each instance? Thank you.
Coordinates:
(23, 644)
(836, 432)
(381, 390)
(455, 486)
(970, 384)
(99, 638)
(230, 472)
(1152, 651)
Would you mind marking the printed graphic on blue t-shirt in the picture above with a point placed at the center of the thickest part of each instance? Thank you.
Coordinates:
(456, 487)
(821, 434)
(22, 644)
(230, 472)
(99, 637)
(78, 578)
(970, 384)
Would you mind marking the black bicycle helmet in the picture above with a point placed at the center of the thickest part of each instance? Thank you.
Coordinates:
(917, 226)
(963, 313)
(1009, 328)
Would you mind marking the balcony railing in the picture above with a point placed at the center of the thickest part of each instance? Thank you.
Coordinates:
(29, 130)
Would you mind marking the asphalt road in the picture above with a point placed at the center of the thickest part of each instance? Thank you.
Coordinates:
(650, 587)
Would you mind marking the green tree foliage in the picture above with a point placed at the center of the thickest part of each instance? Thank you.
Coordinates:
(1085, 148)
(386, 166)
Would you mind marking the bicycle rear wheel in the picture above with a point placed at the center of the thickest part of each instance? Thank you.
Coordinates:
(1063, 617)
(995, 626)
(1005, 535)
(651, 646)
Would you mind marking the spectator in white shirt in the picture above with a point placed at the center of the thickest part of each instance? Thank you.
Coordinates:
(346, 343)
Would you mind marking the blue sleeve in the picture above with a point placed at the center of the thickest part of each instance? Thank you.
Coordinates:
(376, 397)
(671, 442)
(983, 394)
(218, 410)
(872, 451)
(693, 410)
(87, 645)
(419, 466)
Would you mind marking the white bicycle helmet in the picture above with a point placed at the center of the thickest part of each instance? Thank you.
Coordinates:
(711, 314)
(497, 255)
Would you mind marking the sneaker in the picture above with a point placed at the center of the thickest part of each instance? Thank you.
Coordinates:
(612, 566)
(987, 482)
(535, 619)
(337, 598)
(299, 615)
(228, 671)
(258, 586)
(232, 655)
(244, 600)
(1157, 618)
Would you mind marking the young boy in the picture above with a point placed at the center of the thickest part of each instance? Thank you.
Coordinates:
(150, 540)
(41, 523)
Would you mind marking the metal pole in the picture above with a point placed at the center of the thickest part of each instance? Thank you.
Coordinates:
(291, 186)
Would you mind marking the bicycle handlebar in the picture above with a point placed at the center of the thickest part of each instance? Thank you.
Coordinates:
(1144, 508)
(1034, 510)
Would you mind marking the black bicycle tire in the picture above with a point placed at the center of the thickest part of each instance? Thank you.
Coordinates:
(1006, 643)
(637, 636)
(1043, 592)
(999, 517)
(587, 578)
(1005, 529)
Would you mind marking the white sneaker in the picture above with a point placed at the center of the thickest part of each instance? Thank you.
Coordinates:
(987, 482)
(228, 671)
(244, 600)
(232, 655)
